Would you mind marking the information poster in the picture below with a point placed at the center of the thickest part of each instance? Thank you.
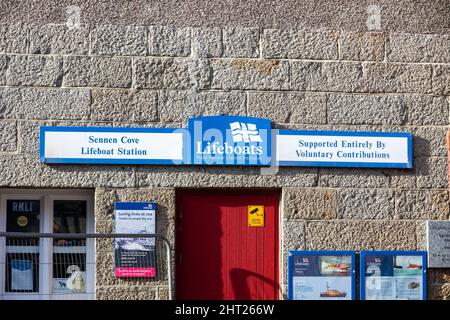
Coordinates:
(22, 275)
(321, 275)
(135, 257)
(397, 275)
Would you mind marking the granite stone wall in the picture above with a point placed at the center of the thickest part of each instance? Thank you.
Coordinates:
(156, 71)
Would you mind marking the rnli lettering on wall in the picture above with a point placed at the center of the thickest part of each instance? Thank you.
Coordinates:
(225, 140)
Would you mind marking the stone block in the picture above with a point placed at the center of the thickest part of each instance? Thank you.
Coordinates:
(420, 48)
(43, 103)
(166, 73)
(180, 105)
(432, 172)
(421, 231)
(293, 236)
(441, 79)
(429, 141)
(169, 41)
(400, 16)
(163, 293)
(403, 178)
(13, 38)
(422, 204)
(295, 107)
(30, 70)
(97, 72)
(119, 40)
(241, 42)
(250, 74)
(3, 67)
(326, 76)
(353, 178)
(27, 171)
(362, 46)
(392, 78)
(59, 39)
(299, 44)
(207, 42)
(439, 292)
(124, 105)
(8, 136)
(366, 109)
(427, 110)
(125, 293)
(233, 177)
(361, 235)
(366, 204)
(438, 276)
(310, 204)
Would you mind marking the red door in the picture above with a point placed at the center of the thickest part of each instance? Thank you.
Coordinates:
(218, 255)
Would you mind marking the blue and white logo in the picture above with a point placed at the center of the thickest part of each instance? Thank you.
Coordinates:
(244, 132)
(230, 140)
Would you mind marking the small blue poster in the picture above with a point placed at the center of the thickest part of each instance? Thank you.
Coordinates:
(22, 275)
(393, 275)
(321, 275)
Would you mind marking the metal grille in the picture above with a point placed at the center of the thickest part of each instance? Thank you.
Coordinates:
(84, 266)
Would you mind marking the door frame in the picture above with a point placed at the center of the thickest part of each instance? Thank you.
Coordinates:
(180, 192)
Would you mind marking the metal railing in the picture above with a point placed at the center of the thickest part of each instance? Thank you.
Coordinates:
(85, 266)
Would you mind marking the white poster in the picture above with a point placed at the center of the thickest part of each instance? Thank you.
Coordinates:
(22, 275)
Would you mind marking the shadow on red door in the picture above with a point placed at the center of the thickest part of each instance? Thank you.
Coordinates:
(219, 256)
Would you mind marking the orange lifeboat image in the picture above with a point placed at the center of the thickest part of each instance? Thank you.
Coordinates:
(332, 293)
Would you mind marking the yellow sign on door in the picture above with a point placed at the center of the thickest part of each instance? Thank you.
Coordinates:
(256, 216)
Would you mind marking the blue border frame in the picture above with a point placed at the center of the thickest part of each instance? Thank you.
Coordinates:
(293, 253)
(407, 165)
(45, 129)
(362, 278)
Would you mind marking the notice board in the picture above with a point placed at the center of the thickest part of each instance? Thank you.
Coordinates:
(321, 275)
(393, 275)
(135, 256)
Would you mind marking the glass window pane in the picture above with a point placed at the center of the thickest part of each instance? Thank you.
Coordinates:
(22, 215)
(22, 254)
(69, 255)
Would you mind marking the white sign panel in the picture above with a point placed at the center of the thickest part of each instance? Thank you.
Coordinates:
(343, 149)
(111, 145)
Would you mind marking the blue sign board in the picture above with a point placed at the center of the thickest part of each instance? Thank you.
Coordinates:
(106, 145)
(344, 149)
(225, 140)
(321, 275)
(393, 275)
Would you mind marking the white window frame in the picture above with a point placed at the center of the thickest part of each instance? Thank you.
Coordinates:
(47, 198)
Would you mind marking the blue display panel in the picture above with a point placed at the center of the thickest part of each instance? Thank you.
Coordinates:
(393, 275)
(321, 275)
